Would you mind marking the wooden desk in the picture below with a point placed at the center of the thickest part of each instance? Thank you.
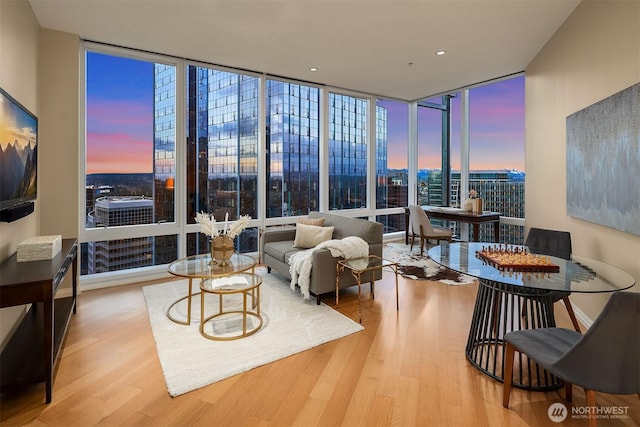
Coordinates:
(31, 352)
(460, 215)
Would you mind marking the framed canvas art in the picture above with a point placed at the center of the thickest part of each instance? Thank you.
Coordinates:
(603, 162)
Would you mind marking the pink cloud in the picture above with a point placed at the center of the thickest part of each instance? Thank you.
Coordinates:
(118, 153)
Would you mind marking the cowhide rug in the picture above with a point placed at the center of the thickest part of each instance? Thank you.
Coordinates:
(413, 266)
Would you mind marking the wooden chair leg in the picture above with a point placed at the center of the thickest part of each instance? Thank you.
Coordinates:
(572, 315)
(413, 239)
(421, 245)
(591, 404)
(568, 392)
(508, 374)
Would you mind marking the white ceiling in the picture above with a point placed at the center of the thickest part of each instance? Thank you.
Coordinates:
(361, 45)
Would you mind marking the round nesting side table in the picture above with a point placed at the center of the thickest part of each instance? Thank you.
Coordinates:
(200, 267)
(246, 285)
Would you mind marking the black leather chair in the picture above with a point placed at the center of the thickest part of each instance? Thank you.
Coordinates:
(604, 359)
(558, 244)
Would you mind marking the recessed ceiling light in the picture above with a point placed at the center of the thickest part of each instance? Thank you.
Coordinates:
(441, 52)
(314, 69)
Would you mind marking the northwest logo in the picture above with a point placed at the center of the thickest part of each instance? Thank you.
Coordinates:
(557, 412)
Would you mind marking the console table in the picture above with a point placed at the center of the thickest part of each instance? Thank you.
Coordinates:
(459, 215)
(31, 352)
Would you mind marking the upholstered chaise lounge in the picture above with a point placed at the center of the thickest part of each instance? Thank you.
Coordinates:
(277, 246)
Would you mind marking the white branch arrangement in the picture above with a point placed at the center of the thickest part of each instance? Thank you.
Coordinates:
(208, 225)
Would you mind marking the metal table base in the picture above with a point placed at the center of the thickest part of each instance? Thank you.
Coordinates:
(501, 308)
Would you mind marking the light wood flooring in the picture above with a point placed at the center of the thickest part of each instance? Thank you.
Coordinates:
(407, 368)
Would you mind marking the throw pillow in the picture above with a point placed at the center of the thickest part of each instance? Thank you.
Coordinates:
(311, 221)
(308, 236)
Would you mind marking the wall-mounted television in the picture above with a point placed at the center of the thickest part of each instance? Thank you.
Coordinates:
(18, 153)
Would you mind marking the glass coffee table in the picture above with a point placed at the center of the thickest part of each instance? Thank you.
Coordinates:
(509, 300)
(360, 266)
(245, 285)
(200, 267)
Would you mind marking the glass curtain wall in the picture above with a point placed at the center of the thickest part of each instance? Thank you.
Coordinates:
(129, 163)
(392, 162)
(348, 146)
(134, 172)
(292, 144)
(222, 150)
(496, 152)
(496, 155)
(429, 174)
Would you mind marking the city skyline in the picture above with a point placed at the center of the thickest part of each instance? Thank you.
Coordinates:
(120, 122)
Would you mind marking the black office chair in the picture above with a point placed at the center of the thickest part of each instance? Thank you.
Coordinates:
(558, 244)
(604, 359)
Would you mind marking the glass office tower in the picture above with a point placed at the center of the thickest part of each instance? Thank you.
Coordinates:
(293, 157)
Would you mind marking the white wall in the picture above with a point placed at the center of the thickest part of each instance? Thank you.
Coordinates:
(40, 68)
(19, 77)
(595, 54)
(58, 94)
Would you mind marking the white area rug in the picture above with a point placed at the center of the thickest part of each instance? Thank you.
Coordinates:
(413, 266)
(190, 361)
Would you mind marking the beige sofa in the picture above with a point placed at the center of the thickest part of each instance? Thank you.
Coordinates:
(276, 246)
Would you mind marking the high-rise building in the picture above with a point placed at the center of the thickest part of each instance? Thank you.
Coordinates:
(293, 156)
(112, 255)
(347, 152)
(222, 150)
(164, 142)
(502, 191)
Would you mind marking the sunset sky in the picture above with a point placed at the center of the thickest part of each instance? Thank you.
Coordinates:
(496, 130)
(16, 126)
(120, 122)
(119, 115)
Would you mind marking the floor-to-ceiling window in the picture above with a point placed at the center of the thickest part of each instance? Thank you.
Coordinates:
(392, 162)
(430, 132)
(495, 155)
(496, 152)
(222, 150)
(129, 163)
(292, 113)
(255, 145)
(348, 147)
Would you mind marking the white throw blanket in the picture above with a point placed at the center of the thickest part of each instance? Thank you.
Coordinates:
(300, 263)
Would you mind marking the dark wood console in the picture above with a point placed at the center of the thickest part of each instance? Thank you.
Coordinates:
(31, 353)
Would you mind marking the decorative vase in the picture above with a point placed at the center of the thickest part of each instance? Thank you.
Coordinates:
(221, 250)
(477, 205)
(468, 205)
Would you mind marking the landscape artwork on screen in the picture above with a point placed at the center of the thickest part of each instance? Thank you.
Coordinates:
(603, 160)
(18, 152)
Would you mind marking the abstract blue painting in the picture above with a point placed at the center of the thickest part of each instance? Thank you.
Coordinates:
(603, 162)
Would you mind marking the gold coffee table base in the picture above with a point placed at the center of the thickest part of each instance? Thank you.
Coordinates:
(182, 322)
(242, 334)
(250, 289)
(203, 267)
(188, 298)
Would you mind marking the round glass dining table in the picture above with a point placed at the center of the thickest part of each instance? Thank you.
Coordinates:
(509, 300)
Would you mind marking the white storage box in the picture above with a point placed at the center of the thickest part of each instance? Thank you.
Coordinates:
(39, 248)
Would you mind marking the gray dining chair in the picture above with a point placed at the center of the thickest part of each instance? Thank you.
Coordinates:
(604, 359)
(421, 227)
(554, 243)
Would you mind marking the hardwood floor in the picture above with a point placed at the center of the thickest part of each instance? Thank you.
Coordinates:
(407, 368)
